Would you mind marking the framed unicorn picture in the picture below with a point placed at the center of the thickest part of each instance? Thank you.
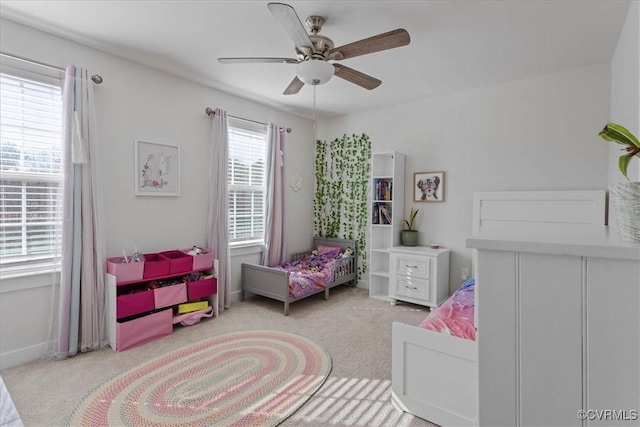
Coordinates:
(157, 169)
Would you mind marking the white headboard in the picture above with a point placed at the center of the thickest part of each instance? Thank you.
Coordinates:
(521, 214)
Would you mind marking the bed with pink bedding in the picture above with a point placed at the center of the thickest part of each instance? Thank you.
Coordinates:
(312, 272)
(435, 371)
(434, 363)
(455, 316)
(308, 273)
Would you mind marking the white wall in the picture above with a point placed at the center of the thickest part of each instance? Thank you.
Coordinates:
(139, 102)
(625, 90)
(538, 133)
(534, 134)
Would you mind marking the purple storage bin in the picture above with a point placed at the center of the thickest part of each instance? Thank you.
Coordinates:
(179, 262)
(155, 265)
(130, 304)
(170, 295)
(202, 288)
(144, 329)
(203, 261)
(124, 271)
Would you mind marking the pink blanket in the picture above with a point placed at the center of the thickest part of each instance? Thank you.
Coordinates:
(310, 274)
(455, 315)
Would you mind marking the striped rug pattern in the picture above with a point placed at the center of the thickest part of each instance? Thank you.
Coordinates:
(250, 378)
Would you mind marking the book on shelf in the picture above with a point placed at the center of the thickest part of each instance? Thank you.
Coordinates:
(384, 189)
(385, 214)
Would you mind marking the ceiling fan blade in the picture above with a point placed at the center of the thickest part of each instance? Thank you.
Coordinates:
(289, 19)
(294, 87)
(356, 77)
(258, 60)
(390, 40)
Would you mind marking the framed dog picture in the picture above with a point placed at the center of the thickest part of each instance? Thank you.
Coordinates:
(428, 187)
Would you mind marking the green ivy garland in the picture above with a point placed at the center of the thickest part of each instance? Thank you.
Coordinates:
(342, 180)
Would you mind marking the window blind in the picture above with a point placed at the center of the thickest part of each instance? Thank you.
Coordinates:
(31, 127)
(247, 152)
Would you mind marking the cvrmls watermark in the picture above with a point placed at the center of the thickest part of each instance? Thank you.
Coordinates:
(608, 414)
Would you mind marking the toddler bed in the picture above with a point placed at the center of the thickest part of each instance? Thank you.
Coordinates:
(307, 274)
(434, 367)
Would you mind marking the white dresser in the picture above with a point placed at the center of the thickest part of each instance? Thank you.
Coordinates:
(419, 275)
(558, 332)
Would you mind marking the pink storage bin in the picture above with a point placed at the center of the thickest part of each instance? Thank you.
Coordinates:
(130, 304)
(179, 262)
(202, 288)
(204, 261)
(124, 271)
(170, 295)
(155, 265)
(143, 329)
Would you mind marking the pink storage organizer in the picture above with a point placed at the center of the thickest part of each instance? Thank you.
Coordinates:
(204, 261)
(144, 329)
(179, 262)
(155, 265)
(170, 295)
(202, 288)
(130, 304)
(124, 271)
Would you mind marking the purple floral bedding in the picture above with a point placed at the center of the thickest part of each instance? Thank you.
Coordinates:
(310, 273)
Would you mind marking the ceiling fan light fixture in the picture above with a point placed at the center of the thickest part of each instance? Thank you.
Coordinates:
(315, 72)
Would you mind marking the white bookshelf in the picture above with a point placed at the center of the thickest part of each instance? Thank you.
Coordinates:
(386, 196)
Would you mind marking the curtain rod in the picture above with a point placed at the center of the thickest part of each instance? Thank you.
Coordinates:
(97, 79)
(211, 112)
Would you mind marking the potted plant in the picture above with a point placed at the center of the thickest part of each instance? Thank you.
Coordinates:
(409, 237)
(625, 197)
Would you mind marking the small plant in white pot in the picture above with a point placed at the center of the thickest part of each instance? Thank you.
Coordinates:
(625, 197)
(409, 237)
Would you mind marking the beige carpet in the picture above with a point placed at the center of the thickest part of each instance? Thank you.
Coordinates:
(354, 329)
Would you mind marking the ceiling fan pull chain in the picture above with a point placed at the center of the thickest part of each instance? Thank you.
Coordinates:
(314, 107)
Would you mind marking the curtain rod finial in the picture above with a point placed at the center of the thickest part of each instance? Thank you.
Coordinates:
(209, 111)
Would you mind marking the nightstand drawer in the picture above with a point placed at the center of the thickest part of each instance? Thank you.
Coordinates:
(413, 266)
(412, 287)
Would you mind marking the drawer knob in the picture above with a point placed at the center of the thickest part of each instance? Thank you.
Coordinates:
(411, 287)
(411, 266)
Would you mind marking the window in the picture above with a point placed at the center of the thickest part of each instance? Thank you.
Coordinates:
(247, 153)
(31, 128)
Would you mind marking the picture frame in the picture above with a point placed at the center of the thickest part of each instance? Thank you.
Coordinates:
(428, 186)
(157, 168)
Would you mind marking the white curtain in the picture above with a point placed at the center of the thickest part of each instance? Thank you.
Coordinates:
(218, 233)
(274, 242)
(82, 295)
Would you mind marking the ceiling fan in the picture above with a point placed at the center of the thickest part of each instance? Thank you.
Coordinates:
(314, 51)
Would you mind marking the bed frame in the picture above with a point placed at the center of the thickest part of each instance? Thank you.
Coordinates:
(435, 376)
(273, 283)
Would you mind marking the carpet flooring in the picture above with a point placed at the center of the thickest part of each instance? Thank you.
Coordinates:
(354, 329)
(246, 378)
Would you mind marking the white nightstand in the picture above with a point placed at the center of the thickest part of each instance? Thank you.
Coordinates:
(418, 274)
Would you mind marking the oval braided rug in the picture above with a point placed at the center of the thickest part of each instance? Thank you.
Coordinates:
(251, 378)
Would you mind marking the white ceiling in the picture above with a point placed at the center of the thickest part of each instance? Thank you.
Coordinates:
(455, 45)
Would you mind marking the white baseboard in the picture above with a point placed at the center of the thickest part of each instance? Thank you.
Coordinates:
(234, 296)
(17, 357)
